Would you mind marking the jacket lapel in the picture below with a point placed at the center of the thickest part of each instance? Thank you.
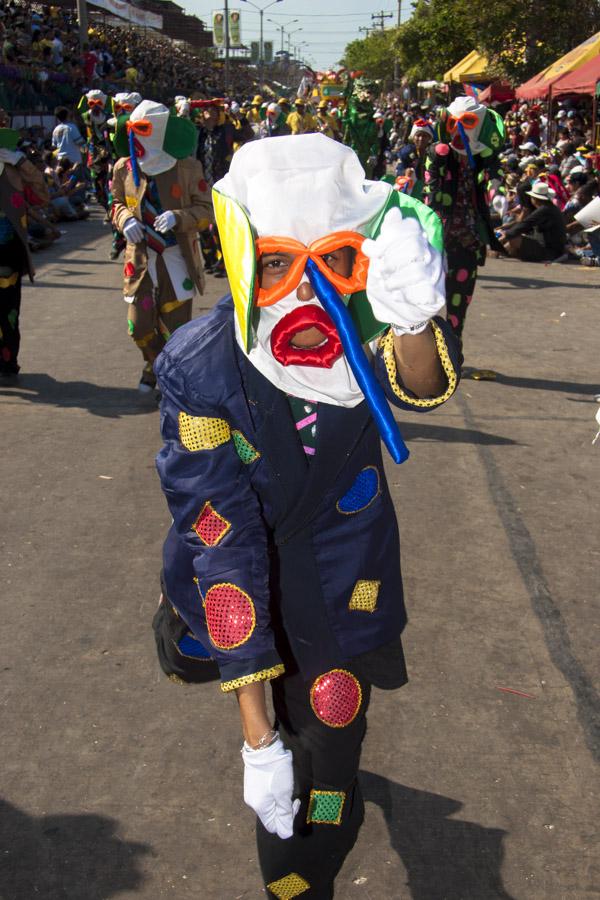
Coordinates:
(300, 486)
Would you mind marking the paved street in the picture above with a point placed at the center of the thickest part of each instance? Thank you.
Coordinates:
(481, 775)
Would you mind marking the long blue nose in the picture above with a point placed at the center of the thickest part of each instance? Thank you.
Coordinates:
(380, 410)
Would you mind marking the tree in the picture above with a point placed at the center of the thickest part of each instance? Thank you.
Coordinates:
(374, 54)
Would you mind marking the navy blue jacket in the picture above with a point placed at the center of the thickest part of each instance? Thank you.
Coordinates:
(308, 553)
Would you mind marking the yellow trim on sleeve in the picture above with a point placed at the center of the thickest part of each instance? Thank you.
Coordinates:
(387, 346)
(263, 675)
(9, 281)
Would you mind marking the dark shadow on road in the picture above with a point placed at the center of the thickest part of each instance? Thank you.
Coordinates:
(535, 283)
(100, 400)
(415, 431)
(65, 857)
(541, 384)
(69, 286)
(445, 858)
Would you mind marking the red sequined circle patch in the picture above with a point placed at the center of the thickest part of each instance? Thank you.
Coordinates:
(230, 616)
(202, 186)
(336, 697)
(129, 270)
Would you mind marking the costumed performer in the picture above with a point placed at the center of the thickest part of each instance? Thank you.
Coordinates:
(123, 105)
(21, 184)
(161, 200)
(283, 558)
(460, 168)
(92, 108)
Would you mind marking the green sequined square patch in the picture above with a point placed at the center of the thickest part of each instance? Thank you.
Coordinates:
(325, 807)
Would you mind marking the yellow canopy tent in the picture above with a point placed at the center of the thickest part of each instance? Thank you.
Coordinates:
(472, 68)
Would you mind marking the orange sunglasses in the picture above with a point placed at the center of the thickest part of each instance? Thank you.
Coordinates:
(468, 120)
(92, 103)
(315, 251)
(143, 128)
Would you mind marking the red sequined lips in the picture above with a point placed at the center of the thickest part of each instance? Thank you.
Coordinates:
(300, 319)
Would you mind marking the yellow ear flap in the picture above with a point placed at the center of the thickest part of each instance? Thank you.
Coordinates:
(239, 253)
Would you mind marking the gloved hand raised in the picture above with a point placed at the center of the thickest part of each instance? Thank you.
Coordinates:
(165, 222)
(133, 231)
(268, 787)
(406, 278)
(11, 157)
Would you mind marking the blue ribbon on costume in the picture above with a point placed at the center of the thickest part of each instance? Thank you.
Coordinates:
(133, 157)
(466, 142)
(380, 410)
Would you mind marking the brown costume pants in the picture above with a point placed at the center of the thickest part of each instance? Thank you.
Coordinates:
(151, 322)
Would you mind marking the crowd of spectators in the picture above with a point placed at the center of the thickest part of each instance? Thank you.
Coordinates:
(43, 64)
(551, 173)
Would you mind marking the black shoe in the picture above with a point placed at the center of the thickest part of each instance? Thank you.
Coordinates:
(9, 378)
(221, 273)
(148, 381)
(114, 253)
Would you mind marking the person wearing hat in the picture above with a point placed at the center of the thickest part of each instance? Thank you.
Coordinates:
(299, 120)
(254, 113)
(217, 140)
(161, 201)
(414, 154)
(275, 124)
(541, 236)
(326, 124)
(283, 559)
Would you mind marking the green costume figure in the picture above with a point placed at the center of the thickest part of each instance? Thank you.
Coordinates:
(360, 130)
(92, 108)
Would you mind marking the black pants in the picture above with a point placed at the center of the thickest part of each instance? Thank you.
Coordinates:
(10, 336)
(326, 761)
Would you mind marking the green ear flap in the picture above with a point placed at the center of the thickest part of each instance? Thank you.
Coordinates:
(493, 133)
(367, 326)
(121, 139)
(181, 137)
(82, 105)
(9, 138)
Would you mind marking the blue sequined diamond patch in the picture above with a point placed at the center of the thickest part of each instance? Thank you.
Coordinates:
(362, 493)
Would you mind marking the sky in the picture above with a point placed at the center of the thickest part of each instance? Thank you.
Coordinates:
(326, 27)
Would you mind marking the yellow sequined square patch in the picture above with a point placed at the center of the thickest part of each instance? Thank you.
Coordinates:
(202, 432)
(289, 887)
(364, 596)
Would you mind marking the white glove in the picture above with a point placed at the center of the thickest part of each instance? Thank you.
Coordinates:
(406, 278)
(11, 157)
(165, 222)
(133, 231)
(268, 787)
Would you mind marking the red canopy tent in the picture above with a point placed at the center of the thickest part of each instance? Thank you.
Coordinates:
(580, 81)
(534, 89)
(497, 92)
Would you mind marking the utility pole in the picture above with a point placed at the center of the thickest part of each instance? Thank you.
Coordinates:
(382, 16)
(396, 60)
(83, 22)
(365, 30)
(226, 47)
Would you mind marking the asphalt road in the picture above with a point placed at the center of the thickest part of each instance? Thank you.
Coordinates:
(481, 775)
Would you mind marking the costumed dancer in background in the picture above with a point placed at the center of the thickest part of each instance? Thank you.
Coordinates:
(300, 120)
(92, 108)
(123, 105)
(21, 185)
(216, 140)
(274, 124)
(359, 128)
(283, 559)
(460, 168)
(413, 156)
(161, 199)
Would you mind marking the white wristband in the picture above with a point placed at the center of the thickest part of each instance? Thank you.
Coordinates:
(417, 328)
